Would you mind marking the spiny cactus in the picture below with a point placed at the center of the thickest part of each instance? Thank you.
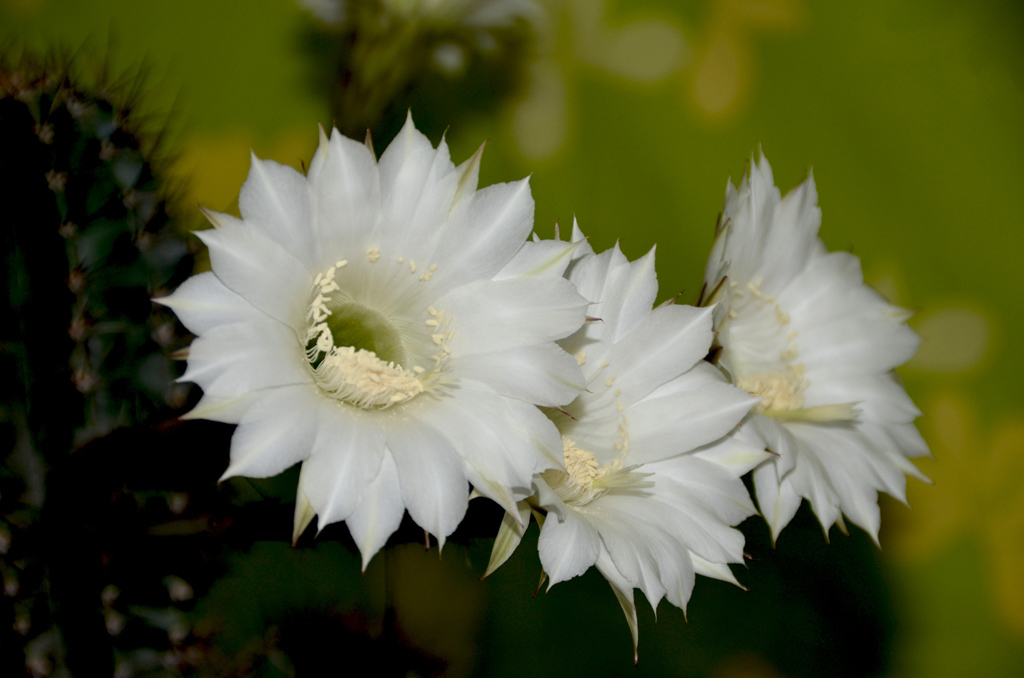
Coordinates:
(86, 241)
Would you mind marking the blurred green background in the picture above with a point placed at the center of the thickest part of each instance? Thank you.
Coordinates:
(631, 116)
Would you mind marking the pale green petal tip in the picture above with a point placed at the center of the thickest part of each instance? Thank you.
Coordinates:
(216, 219)
(629, 609)
(818, 413)
(775, 525)
(304, 514)
(510, 533)
(469, 176)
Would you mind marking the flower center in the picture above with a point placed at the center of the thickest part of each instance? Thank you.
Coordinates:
(762, 323)
(779, 391)
(355, 352)
(585, 479)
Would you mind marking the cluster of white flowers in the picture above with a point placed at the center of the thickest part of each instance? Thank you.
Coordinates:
(388, 325)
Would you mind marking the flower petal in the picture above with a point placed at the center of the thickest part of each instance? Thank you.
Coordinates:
(265, 444)
(542, 374)
(778, 503)
(548, 258)
(500, 462)
(490, 316)
(224, 410)
(241, 257)
(434, 486)
(379, 512)
(230, 360)
(878, 397)
(663, 346)
(513, 527)
(276, 200)
(487, 234)
(567, 547)
(624, 594)
(415, 211)
(346, 186)
(691, 411)
(345, 458)
(203, 302)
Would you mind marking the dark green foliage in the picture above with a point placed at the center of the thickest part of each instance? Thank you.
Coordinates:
(87, 239)
(378, 63)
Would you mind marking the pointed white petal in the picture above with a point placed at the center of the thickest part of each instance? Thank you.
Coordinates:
(241, 257)
(709, 500)
(276, 200)
(638, 295)
(224, 410)
(542, 374)
(347, 199)
(663, 346)
(231, 360)
(490, 316)
(623, 590)
(544, 258)
(203, 302)
(469, 176)
(485, 236)
(415, 213)
(778, 504)
(577, 238)
(567, 547)
(691, 411)
(379, 512)
(739, 451)
(434, 486)
(500, 462)
(645, 554)
(719, 571)
(316, 163)
(345, 458)
(265, 443)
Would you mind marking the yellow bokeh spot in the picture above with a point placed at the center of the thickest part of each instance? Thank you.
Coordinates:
(953, 340)
(644, 51)
(722, 76)
(978, 492)
(724, 64)
(539, 121)
(214, 168)
(21, 6)
(451, 596)
(745, 665)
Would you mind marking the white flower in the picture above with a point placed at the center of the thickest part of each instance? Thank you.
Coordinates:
(799, 329)
(382, 323)
(474, 13)
(648, 489)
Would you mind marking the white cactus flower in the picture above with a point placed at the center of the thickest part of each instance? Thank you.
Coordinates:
(799, 329)
(649, 489)
(382, 323)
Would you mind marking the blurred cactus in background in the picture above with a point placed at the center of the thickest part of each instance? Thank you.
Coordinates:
(444, 58)
(88, 238)
(88, 241)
